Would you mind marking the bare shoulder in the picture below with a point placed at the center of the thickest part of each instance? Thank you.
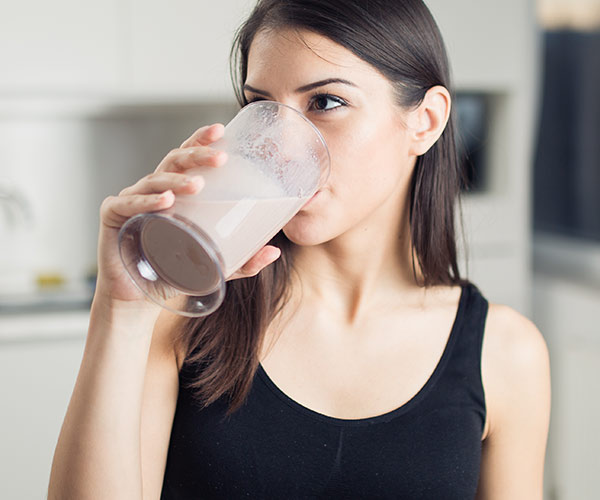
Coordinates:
(515, 371)
(515, 362)
(513, 340)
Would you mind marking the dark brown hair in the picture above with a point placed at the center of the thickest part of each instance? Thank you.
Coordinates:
(400, 39)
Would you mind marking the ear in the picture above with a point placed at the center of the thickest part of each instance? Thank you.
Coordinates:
(427, 122)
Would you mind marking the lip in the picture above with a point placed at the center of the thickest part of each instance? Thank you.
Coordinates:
(311, 199)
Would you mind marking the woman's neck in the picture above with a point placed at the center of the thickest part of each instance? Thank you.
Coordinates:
(365, 266)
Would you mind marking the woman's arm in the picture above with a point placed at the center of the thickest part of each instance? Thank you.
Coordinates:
(98, 449)
(516, 377)
(161, 388)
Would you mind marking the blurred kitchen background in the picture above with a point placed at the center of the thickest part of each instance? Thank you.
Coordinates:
(93, 95)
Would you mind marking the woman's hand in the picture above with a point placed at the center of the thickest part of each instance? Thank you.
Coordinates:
(154, 192)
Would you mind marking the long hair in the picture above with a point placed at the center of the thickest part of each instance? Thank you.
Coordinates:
(400, 39)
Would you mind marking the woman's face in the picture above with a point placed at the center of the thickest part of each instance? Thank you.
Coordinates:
(353, 106)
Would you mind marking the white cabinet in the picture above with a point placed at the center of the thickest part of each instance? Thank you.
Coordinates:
(39, 361)
(60, 46)
(119, 48)
(182, 47)
(566, 311)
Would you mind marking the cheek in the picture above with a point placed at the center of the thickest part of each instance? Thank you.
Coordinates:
(369, 165)
(368, 155)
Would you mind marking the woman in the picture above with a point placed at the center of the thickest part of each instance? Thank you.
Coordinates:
(349, 359)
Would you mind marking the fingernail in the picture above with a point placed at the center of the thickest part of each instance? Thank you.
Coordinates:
(220, 156)
(196, 180)
(167, 194)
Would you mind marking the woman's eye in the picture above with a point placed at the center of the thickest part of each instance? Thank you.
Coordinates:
(325, 102)
(254, 99)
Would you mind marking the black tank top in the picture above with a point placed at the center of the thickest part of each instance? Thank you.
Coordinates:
(273, 447)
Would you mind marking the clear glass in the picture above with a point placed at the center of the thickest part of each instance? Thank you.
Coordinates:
(277, 160)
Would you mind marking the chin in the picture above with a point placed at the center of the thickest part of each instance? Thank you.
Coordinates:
(306, 230)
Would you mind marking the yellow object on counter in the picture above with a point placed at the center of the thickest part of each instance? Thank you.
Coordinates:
(50, 280)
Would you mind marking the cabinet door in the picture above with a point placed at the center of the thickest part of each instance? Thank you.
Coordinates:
(64, 45)
(36, 381)
(181, 48)
(576, 422)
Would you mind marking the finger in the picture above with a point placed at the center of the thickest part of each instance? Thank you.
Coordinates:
(159, 182)
(179, 160)
(265, 256)
(204, 136)
(115, 210)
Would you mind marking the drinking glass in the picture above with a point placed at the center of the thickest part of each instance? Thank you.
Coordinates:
(277, 160)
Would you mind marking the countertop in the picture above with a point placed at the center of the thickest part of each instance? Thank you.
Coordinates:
(43, 326)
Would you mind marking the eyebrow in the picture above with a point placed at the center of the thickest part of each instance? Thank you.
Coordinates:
(304, 88)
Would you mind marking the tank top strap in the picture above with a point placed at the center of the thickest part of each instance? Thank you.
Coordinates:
(470, 337)
(460, 383)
